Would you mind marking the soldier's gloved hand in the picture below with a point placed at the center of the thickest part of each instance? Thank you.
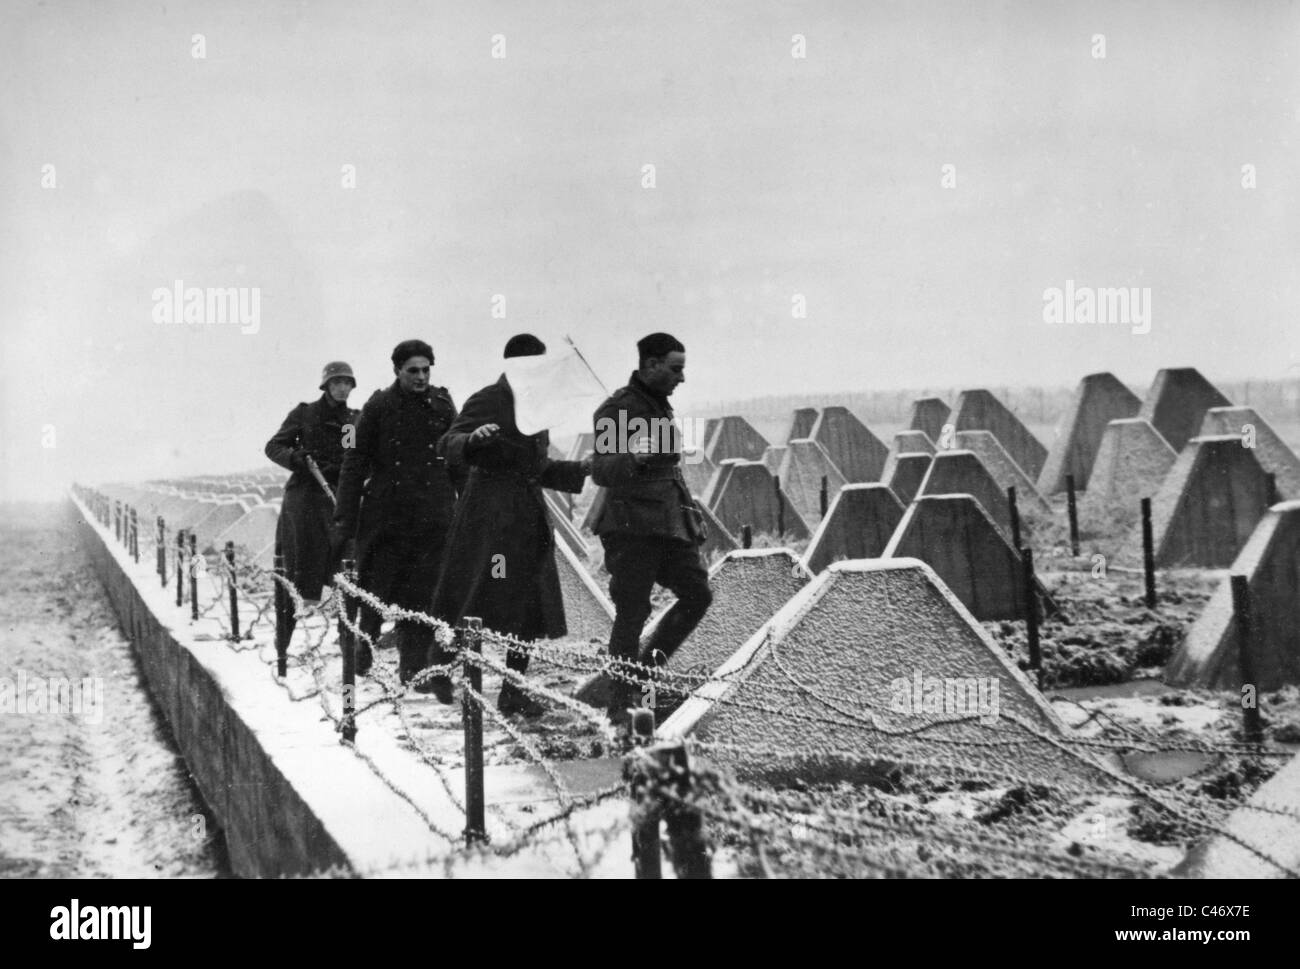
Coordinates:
(299, 459)
(484, 433)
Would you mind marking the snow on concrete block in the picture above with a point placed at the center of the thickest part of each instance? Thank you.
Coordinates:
(1208, 504)
(929, 414)
(1099, 399)
(1132, 460)
(1176, 404)
(1271, 451)
(747, 495)
(1209, 655)
(801, 424)
(979, 410)
(1004, 470)
(802, 469)
(955, 537)
(871, 665)
(773, 455)
(733, 437)
(564, 528)
(225, 513)
(963, 473)
(908, 471)
(858, 525)
(251, 532)
(588, 613)
(1268, 823)
(858, 453)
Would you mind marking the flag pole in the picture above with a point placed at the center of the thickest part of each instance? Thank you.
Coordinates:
(569, 340)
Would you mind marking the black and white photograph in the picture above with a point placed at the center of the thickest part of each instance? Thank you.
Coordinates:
(729, 439)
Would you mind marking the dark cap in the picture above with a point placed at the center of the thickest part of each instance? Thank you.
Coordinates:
(658, 345)
(524, 345)
(411, 348)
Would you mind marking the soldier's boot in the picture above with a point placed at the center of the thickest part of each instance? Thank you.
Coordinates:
(415, 647)
(513, 700)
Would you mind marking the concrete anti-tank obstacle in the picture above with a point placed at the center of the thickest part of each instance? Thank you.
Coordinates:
(772, 457)
(1209, 655)
(1132, 461)
(1099, 399)
(979, 410)
(719, 539)
(588, 613)
(908, 472)
(749, 586)
(858, 453)
(564, 528)
(858, 525)
(1271, 451)
(803, 466)
(801, 424)
(1268, 822)
(252, 532)
(584, 443)
(696, 471)
(929, 414)
(954, 535)
(912, 442)
(1176, 404)
(744, 493)
(1002, 468)
(733, 437)
(1208, 504)
(872, 665)
(963, 473)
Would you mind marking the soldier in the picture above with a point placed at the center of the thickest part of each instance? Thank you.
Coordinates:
(500, 559)
(396, 497)
(650, 526)
(319, 430)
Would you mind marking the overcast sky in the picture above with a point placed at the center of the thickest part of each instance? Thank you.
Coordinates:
(775, 177)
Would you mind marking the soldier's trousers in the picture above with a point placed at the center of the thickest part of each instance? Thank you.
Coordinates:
(635, 563)
(402, 570)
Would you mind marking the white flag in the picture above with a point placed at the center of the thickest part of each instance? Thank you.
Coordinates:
(554, 391)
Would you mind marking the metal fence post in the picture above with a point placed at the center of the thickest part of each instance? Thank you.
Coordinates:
(234, 591)
(780, 507)
(135, 537)
(685, 823)
(1148, 554)
(1254, 728)
(1073, 510)
(1031, 613)
(746, 536)
(348, 650)
(647, 851)
(1015, 516)
(160, 548)
(823, 496)
(180, 567)
(281, 620)
(471, 639)
(194, 577)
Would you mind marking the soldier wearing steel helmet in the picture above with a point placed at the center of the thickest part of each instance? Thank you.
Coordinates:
(318, 430)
